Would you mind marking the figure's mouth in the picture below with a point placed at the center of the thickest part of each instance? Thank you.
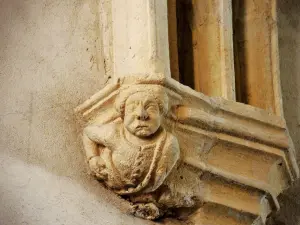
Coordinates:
(141, 126)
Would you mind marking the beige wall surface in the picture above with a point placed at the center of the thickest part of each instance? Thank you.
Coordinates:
(289, 50)
(51, 60)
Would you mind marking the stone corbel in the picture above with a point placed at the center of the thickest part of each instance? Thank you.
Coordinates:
(219, 156)
(174, 152)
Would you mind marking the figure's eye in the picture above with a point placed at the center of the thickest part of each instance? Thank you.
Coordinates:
(151, 107)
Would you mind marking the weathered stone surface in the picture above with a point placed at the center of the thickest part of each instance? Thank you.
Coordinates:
(232, 156)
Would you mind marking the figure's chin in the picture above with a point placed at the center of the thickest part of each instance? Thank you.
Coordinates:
(143, 134)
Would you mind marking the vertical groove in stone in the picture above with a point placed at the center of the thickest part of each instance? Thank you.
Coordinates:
(185, 43)
(172, 27)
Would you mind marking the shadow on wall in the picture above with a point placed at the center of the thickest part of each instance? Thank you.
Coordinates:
(289, 52)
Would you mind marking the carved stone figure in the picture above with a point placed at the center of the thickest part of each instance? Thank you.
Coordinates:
(173, 152)
(134, 155)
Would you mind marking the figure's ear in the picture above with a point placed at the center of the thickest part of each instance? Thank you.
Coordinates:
(172, 112)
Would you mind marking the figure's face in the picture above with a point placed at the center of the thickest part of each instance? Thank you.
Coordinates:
(142, 115)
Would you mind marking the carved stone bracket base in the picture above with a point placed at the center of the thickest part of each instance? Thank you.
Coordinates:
(172, 151)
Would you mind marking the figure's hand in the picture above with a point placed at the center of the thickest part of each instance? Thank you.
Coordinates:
(98, 167)
(147, 211)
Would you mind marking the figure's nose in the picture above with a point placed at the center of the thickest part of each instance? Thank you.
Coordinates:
(141, 113)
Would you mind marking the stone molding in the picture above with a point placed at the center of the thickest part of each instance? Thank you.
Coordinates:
(230, 161)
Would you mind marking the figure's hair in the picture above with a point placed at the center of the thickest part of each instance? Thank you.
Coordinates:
(155, 91)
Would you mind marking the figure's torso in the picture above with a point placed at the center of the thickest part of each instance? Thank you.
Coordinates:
(129, 163)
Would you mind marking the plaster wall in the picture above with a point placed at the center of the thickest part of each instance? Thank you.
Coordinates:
(51, 59)
(289, 50)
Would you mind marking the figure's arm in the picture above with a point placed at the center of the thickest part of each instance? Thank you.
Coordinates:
(90, 147)
(93, 138)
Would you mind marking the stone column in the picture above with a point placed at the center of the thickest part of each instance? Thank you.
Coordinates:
(140, 37)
